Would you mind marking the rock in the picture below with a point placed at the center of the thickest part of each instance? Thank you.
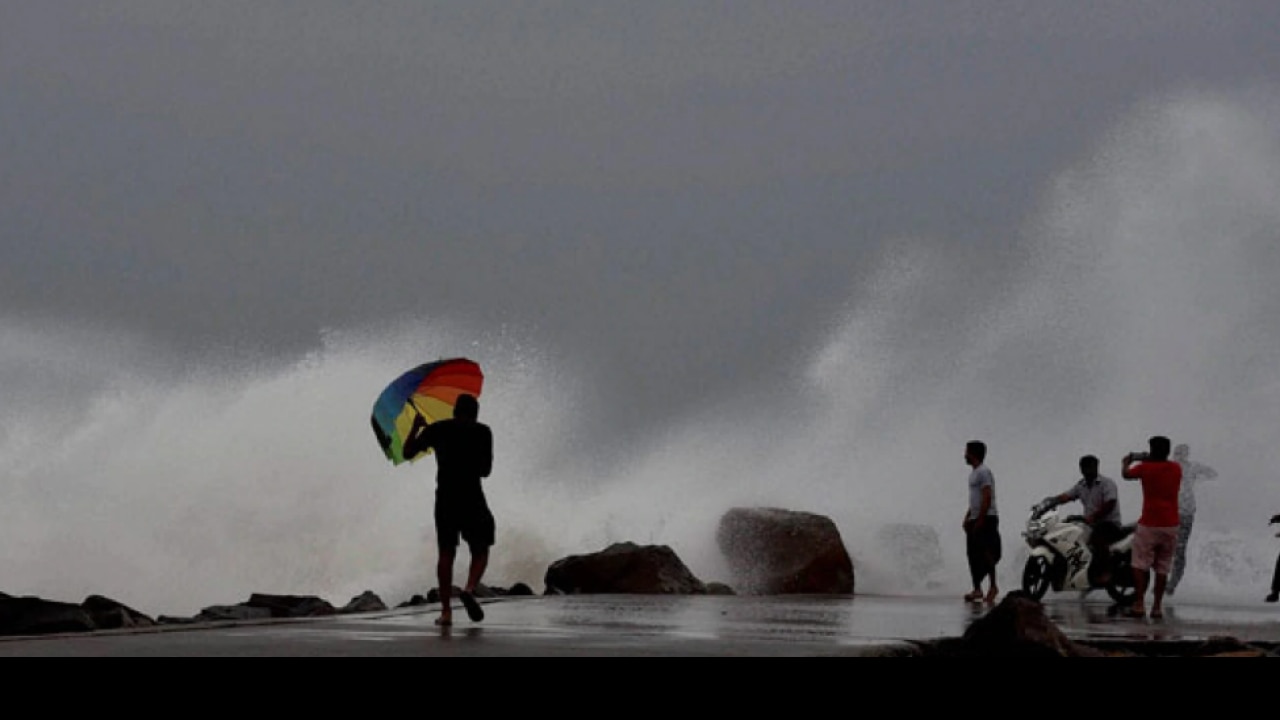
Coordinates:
(716, 588)
(1227, 647)
(226, 613)
(36, 616)
(520, 590)
(171, 620)
(624, 568)
(292, 606)
(1018, 627)
(365, 602)
(772, 551)
(107, 614)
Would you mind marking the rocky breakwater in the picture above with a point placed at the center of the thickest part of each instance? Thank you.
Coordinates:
(33, 616)
(770, 551)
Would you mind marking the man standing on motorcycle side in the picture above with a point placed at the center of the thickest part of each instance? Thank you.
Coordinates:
(1100, 497)
(1155, 540)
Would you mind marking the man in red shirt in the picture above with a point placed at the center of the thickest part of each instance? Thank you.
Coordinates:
(1155, 540)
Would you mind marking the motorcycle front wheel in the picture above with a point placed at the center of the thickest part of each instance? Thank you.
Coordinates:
(1035, 577)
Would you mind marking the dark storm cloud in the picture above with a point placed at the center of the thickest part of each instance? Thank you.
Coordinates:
(680, 193)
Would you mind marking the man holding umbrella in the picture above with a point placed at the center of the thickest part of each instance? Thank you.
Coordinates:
(464, 456)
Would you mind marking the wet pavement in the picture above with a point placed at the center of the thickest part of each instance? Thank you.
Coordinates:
(621, 626)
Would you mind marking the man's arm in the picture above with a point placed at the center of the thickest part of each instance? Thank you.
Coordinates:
(1053, 501)
(418, 440)
(486, 457)
(1125, 469)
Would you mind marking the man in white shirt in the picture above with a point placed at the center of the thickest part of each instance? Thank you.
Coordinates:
(1100, 497)
(981, 525)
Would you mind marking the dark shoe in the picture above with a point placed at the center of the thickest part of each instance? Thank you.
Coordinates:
(1273, 597)
(474, 611)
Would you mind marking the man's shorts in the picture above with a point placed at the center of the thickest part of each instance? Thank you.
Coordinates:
(469, 521)
(1153, 548)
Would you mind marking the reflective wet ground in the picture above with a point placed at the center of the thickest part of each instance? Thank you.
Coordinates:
(655, 626)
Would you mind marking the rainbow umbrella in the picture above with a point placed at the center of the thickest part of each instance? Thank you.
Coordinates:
(430, 391)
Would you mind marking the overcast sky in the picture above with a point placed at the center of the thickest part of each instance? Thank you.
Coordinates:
(679, 194)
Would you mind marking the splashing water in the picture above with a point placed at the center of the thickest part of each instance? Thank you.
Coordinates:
(1142, 302)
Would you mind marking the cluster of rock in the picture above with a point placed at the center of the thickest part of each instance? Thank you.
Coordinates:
(37, 616)
(769, 551)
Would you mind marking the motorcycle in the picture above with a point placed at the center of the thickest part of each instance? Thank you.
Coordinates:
(1060, 557)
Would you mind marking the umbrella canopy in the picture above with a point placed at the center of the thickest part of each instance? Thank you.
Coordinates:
(429, 391)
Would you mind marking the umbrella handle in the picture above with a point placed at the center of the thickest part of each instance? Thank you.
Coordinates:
(419, 424)
(415, 407)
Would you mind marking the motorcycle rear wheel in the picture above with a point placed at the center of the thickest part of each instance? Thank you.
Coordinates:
(1121, 588)
(1035, 577)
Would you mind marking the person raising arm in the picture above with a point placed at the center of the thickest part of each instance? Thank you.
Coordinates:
(1156, 537)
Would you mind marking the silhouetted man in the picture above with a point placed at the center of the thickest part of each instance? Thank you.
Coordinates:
(1275, 579)
(464, 455)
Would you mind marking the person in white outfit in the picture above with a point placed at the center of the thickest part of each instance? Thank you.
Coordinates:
(1192, 474)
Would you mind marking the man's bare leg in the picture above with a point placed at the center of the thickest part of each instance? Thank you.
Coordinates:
(444, 580)
(1141, 579)
(993, 592)
(1157, 604)
(479, 563)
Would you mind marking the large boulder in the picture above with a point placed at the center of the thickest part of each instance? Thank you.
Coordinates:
(364, 603)
(623, 568)
(262, 606)
(1018, 627)
(772, 551)
(37, 616)
(228, 613)
(107, 614)
(292, 606)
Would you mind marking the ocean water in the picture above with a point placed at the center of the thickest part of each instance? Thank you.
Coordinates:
(1143, 301)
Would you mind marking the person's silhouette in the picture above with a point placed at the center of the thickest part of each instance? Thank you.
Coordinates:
(1192, 474)
(1275, 579)
(464, 456)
